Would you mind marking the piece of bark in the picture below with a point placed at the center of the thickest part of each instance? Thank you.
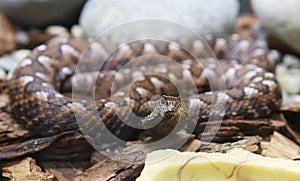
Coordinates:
(25, 148)
(70, 146)
(233, 130)
(65, 170)
(111, 170)
(280, 147)
(191, 145)
(108, 169)
(251, 144)
(59, 147)
(26, 169)
(7, 35)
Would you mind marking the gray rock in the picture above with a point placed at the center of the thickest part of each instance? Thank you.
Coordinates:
(98, 16)
(280, 19)
(42, 13)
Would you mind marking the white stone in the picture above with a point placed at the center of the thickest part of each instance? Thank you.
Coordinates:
(280, 19)
(77, 31)
(291, 61)
(289, 79)
(98, 16)
(57, 30)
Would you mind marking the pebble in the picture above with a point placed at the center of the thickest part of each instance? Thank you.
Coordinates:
(291, 61)
(60, 32)
(57, 30)
(288, 74)
(77, 31)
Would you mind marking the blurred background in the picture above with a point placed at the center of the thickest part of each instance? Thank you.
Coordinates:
(24, 24)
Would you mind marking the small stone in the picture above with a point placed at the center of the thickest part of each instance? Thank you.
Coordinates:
(288, 74)
(291, 61)
(61, 33)
(77, 31)
(22, 37)
(274, 55)
(57, 30)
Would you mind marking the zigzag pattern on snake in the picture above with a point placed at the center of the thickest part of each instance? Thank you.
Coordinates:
(36, 85)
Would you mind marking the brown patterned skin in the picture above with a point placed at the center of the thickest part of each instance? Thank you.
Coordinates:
(251, 89)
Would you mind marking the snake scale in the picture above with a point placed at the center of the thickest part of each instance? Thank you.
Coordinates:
(36, 85)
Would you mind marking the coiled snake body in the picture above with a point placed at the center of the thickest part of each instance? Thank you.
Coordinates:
(251, 89)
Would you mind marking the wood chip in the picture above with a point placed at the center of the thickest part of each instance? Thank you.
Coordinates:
(233, 130)
(251, 144)
(280, 147)
(26, 169)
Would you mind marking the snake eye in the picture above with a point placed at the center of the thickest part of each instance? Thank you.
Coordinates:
(162, 101)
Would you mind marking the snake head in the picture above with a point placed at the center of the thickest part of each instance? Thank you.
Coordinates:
(160, 109)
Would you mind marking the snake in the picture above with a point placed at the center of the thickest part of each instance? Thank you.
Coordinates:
(38, 86)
